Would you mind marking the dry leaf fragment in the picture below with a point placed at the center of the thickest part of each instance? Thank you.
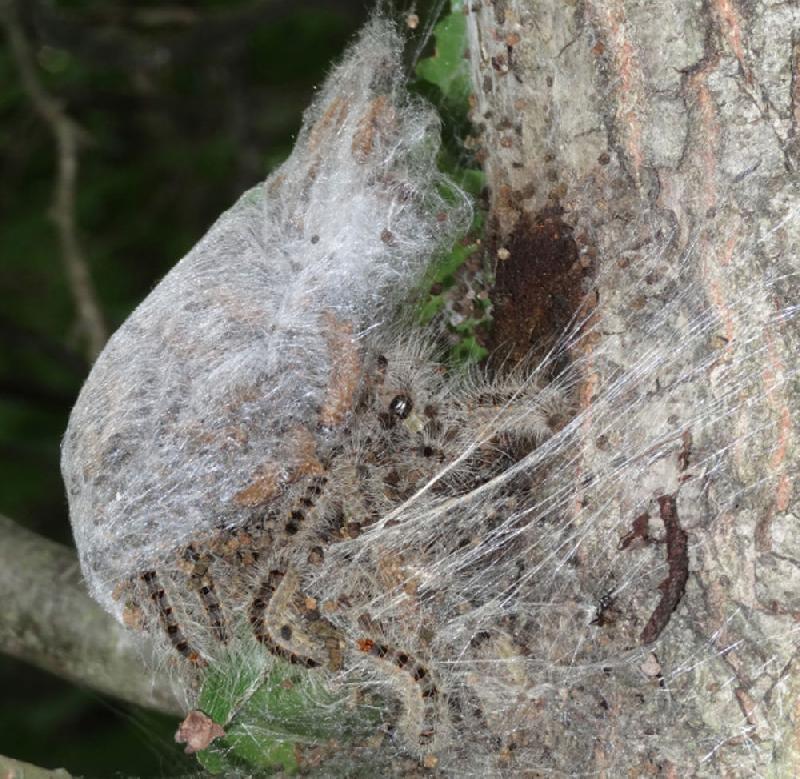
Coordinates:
(197, 731)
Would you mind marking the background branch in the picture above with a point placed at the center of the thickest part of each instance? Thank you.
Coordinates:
(16, 769)
(66, 134)
(49, 620)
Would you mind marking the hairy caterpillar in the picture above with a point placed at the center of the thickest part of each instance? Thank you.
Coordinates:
(268, 451)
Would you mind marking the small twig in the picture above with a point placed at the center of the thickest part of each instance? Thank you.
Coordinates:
(673, 586)
(67, 135)
(48, 619)
(164, 16)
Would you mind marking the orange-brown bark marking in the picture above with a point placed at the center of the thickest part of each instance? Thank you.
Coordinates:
(776, 398)
(630, 92)
(731, 31)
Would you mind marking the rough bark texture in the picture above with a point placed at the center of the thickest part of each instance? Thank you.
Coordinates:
(49, 620)
(657, 143)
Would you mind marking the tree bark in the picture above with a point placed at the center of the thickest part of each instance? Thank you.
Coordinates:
(49, 620)
(642, 158)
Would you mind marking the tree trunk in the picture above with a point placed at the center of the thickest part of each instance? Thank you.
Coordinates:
(643, 159)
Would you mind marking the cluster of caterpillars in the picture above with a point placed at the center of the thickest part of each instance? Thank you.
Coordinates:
(403, 442)
(403, 439)
(270, 603)
(277, 641)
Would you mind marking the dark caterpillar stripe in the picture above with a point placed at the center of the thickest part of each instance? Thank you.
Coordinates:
(285, 654)
(296, 515)
(165, 612)
(258, 622)
(204, 584)
(418, 673)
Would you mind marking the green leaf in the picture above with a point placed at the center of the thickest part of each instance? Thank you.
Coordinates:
(469, 351)
(447, 69)
(269, 707)
(265, 753)
(430, 308)
(446, 267)
(444, 78)
(472, 181)
(213, 760)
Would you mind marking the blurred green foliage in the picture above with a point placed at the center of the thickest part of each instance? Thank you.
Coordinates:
(446, 68)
